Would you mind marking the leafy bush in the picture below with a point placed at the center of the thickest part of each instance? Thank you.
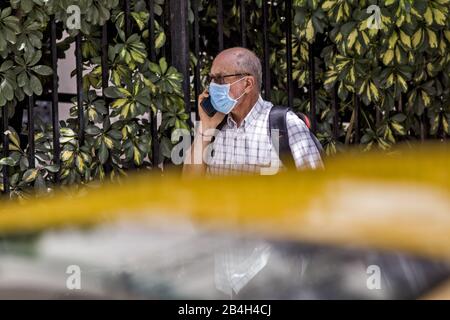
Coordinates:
(398, 75)
(399, 71)
(114, 140)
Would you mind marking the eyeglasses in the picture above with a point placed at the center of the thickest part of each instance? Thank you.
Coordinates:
(220, 79)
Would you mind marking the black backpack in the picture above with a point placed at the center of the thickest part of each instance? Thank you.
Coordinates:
(277, 120)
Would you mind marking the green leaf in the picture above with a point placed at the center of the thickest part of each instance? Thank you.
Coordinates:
(328, 4)
(14, 138)
(6, 65)
(26, 5)
(36, 85)
(52, 168)
(399, 117)
(309, 31)
(6, 90)
(93, 130)
(115, 134)
(398, 128)
(67, 155)
(388, 57)
(42, 70)
(30, 175)
(160, 40)
(22, 79)
(137, 157)
(154, 68)
(163, 65)
(39, 183)
(113, 92)
(8, 161)
(103, 153)
(23, 163)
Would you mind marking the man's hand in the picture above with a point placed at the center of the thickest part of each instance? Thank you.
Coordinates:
(199, 144)
(206, 121)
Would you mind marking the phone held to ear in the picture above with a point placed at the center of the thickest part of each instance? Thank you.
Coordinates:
(208, 107)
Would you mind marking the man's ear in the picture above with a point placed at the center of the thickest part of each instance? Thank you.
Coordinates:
(251, 83)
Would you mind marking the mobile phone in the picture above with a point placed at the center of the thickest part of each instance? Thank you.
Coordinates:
(208, 107)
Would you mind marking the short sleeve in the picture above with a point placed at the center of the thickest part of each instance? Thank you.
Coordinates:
(304, 150)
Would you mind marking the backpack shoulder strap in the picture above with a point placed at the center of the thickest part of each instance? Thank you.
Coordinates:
(277, 121)
(222, 123)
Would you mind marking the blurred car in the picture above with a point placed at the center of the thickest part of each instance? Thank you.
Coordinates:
(373, 227)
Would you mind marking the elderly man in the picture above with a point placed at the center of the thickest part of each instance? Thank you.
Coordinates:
(242, 143)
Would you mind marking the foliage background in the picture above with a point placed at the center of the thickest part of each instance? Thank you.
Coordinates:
(115, 140)
(399, 72)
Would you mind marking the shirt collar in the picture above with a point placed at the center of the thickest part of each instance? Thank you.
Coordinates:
(251, 116)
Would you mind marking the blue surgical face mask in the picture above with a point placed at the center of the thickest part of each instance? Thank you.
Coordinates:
(220, 96)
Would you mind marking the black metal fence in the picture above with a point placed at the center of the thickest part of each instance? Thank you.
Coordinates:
(179, 44)
(175, 18)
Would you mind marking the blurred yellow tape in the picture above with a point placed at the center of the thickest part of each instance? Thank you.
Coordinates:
(398, 201)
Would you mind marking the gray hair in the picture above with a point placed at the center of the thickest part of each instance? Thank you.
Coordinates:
(248, 62)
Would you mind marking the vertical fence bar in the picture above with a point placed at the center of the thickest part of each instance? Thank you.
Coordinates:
(163, 25)
(152, 115)
(31, 149)
(165, 19)
(180, 44)
(151, 29)
(105, 81)
(312, 87)
(5, 152)
(16, 119)
(55, 98)
(265, 17)
(104, 63)
(290, 88)
(127, 18)
(197, 56)
(220, 23)
(79, 67)
(243, 25)
(335, 106)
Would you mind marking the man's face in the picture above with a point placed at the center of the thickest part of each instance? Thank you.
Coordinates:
(223, 72)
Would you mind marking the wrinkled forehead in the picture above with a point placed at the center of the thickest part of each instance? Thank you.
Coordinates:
(224, 64)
